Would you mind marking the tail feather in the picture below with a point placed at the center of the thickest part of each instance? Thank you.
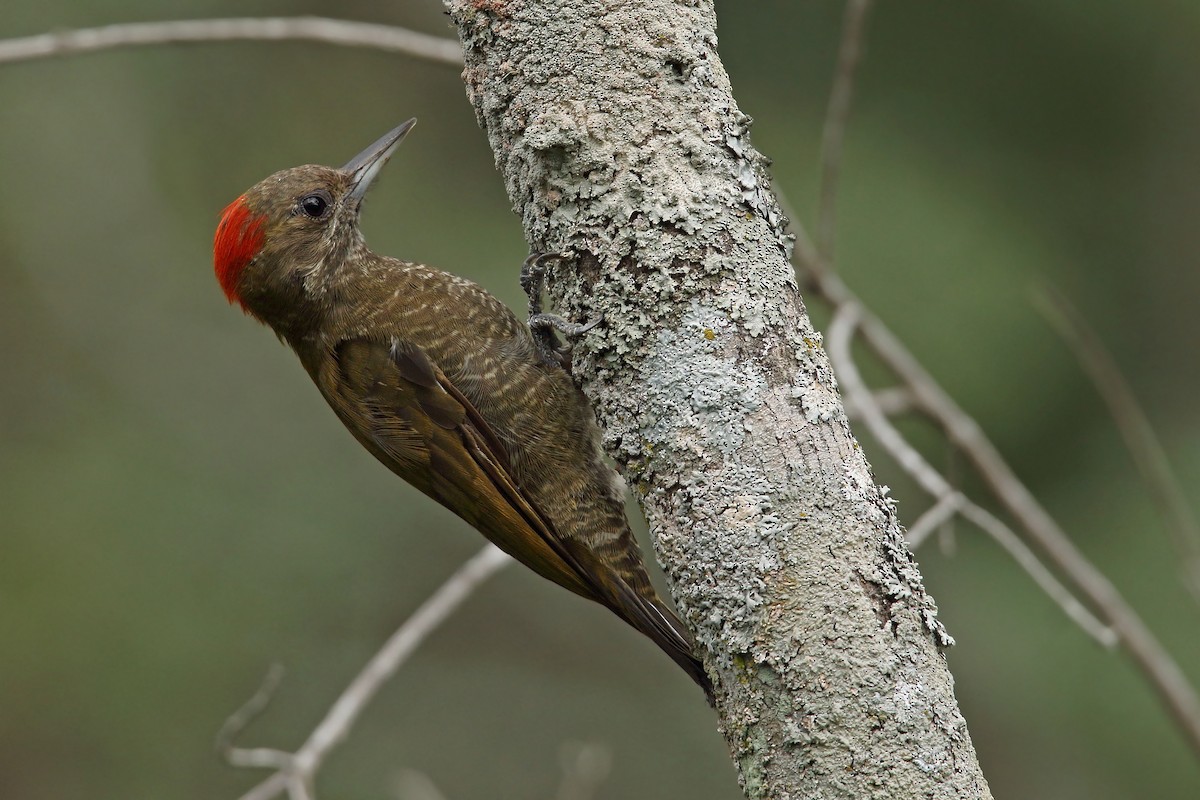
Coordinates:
(662, 627)
(684, 657)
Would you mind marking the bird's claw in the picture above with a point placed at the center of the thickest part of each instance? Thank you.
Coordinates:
(533, 278)
(543, 325)
(564, 326)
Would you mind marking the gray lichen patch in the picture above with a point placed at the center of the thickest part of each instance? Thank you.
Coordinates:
(821, 403)
(697, 387)
(620, 144)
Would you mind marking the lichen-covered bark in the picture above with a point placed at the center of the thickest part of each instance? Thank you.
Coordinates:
(620, 143)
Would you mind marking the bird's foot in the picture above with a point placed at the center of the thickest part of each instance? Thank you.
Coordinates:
(567, 328)
(543, 325)
(533, 278)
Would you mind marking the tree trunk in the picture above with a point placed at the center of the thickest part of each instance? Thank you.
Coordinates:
(620, 144)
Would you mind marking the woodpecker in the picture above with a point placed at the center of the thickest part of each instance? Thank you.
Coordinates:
(443, 384)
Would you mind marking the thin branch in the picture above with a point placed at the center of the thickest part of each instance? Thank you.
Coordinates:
(413, 785)
(841, 334)
(893, 401)
(833, 135)
(345, 33)
(1155, 663)
(585, 766)
(276, 785)
(1145, 448)
(296, 771)
(250, 710)
(946, 539)
(936, 515)
(1043, 577)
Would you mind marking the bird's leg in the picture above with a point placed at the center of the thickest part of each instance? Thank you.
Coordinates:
(543, 325)
(533, 278)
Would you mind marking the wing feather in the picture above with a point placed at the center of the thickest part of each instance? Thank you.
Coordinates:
(409, 415)
(402, 407)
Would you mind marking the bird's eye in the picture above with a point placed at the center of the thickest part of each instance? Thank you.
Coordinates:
(315, 205)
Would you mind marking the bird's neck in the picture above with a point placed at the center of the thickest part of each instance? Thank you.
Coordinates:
(360, 295)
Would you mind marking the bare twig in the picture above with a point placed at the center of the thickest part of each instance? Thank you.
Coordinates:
(1148, 654)
(936, 515)
(1160, 670)
(841, 334)
(833, 135)
(1131, 421)
(1155, 663)
(894, 401)
(414, 785)
(1043, 577)
(585, 767)
(946, 539)
(296, 771)
(314, 29)
(250, 710)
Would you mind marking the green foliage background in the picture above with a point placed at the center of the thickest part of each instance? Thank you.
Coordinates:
(179, 509)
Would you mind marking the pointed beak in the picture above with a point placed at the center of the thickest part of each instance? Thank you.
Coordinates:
(366, 165)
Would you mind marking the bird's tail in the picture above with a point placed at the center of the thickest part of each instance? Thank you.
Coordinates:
(685, 655)
(650, 616)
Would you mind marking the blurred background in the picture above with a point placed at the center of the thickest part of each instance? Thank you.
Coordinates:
(180, 509)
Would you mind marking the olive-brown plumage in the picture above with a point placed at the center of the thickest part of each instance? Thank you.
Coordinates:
(442, 383)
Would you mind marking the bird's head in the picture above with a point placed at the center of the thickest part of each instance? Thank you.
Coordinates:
(278, 241)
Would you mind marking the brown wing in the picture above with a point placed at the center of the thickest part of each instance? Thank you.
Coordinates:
(405, 410)
(410, 416)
